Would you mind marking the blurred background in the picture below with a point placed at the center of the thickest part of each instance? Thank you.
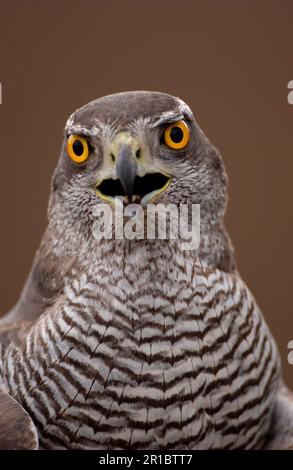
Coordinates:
(230, 61)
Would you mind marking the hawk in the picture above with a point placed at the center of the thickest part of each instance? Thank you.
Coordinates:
(138, 344)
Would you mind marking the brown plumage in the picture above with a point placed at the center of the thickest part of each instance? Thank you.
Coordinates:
(138, 344)
(17, 430)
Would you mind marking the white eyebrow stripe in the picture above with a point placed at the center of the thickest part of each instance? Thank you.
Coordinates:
(168, 116)
(184, 108)
(91, 131)
(99, 129)
(78, 129)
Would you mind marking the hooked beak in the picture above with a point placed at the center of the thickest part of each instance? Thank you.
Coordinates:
(130, 174)
(126, 169)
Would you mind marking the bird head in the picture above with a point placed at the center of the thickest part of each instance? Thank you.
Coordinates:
(144, 147)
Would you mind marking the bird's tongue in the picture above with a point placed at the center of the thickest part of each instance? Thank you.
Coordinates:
(135, 199)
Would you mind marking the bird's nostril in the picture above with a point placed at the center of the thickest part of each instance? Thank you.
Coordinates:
(113, 157)
(137, 154)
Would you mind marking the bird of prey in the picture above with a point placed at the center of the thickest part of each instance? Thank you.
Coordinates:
(138, 344)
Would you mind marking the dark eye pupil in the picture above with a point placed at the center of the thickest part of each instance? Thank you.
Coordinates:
(78, 148)
(176, 134)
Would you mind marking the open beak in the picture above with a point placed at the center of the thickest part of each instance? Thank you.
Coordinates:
(131, 177)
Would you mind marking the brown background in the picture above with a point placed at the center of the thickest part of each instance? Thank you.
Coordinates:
(230, 60)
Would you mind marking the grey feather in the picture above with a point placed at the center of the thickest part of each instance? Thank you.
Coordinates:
(137, 344)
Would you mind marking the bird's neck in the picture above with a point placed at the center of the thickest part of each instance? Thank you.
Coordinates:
(56, 257)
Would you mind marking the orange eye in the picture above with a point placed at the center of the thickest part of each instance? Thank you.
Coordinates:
(177, 135)
(78, 148)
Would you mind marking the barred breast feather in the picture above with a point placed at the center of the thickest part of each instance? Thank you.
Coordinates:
(161, 352)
